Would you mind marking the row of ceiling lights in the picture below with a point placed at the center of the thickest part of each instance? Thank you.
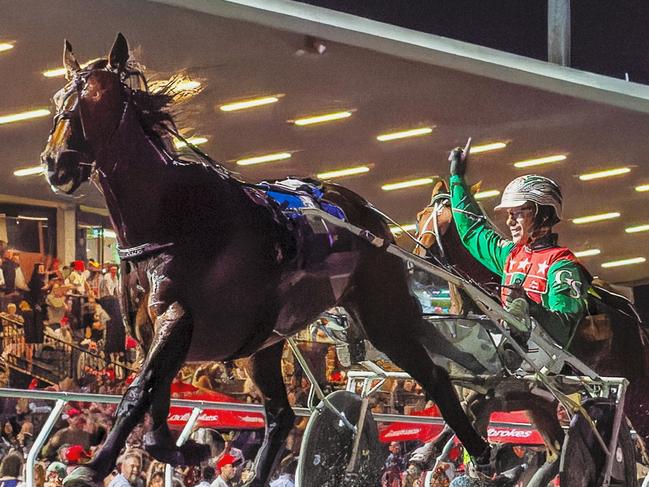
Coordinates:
(256, 102)
(426, 181)
(412, 227)
(328, 117)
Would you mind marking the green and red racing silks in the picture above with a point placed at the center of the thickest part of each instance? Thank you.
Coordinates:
(554, 281)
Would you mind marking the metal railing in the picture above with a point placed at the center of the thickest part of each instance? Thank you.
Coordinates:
(65, 355)
(62, 398)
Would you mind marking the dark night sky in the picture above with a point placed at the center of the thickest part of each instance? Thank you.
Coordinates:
(609, 37)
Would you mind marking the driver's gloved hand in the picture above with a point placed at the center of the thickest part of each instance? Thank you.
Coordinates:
(458, 160)
(520, 308)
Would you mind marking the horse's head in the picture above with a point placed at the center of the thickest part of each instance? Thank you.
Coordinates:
(434, 221)
(88, 111)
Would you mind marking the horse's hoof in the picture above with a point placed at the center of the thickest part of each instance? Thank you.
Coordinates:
(165, 454)
(80, 477)
(190, 453)
(194, 453)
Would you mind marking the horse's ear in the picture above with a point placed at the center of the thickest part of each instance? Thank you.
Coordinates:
(118, 56)
(476, 187)
(69, 61)
(439, 187)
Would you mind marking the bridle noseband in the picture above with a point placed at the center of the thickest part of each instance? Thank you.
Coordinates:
(73, 88)
(68, 113)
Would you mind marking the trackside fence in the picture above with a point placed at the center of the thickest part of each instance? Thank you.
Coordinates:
(62, 398)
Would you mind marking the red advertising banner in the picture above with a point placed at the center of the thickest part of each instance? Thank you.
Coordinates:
(210, 418)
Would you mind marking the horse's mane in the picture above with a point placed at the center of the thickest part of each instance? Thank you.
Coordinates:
(158, 108)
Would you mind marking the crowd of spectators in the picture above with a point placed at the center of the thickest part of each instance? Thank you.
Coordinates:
(57, 320)
(67, 313)
(61, 317)
(83, 427)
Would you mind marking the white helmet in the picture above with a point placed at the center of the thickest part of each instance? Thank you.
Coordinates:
(532, 188)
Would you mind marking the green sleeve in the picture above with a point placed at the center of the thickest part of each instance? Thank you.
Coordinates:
(564, 305)
(482, 241)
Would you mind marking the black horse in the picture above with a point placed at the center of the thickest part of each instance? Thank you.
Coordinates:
(211, 269)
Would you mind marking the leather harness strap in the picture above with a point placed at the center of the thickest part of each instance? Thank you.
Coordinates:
(144, 250)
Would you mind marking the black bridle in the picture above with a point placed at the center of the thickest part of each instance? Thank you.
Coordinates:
(69, 110)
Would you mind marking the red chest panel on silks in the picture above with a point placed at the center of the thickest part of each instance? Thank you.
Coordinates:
(529, 268)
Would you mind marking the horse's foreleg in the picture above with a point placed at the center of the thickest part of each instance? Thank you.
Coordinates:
(265, 368)
(173, 333)
(130, 411)
(151, 386)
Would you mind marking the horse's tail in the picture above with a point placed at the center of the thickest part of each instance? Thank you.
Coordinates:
(603, 291)
(630, 336)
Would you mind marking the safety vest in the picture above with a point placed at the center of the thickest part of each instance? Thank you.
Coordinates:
(529, 268)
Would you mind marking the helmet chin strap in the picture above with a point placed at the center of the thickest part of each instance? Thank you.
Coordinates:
(539, 229)
(540, 232)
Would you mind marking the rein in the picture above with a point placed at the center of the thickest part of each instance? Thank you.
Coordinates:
(388, 219)
(219, 168)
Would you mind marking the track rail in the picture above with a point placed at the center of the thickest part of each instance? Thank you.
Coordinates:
(62, 398)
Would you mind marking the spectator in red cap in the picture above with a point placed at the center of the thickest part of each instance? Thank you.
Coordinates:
(74, 434)
(64, 334)
(77, 278)
(227, 472)
(130, 343)
(75, 454)
(72, 412)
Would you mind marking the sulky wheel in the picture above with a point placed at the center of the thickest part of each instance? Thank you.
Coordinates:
(327, 447)
(582, 458)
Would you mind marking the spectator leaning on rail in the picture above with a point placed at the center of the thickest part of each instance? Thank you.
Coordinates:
(536, 272)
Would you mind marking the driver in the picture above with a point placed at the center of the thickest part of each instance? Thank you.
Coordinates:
(539, 277)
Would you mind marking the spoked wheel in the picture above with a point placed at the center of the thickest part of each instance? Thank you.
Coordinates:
(582, 458)
(327, 447)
